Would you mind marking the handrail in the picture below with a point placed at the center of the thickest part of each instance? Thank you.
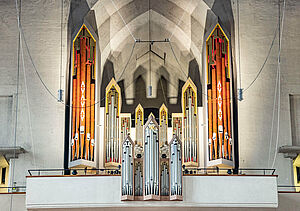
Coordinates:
(76, 171)
(186, 171)
(217, 170)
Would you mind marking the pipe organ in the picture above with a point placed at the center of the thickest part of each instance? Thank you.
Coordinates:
(125, 125)
(164, 177)
(163, 124)
(190, 124)
(176, 169)
(83, 98)
(112, 114)
(127, 169)
(139, 123)
(151, 160)
(219, 96)
(177, 124)
(138, 178)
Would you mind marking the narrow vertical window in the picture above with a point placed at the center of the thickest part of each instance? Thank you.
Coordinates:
(3, 175)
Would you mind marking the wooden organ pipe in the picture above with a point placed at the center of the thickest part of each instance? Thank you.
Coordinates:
(224, 107)
(74, 106)
(83, 97)
(219, 96)
(88, 103)
(78, 107)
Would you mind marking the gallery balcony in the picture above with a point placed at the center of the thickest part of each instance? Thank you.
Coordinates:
(102, 188)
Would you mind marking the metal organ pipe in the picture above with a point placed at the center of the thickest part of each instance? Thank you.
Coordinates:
(127, 167)
(175, 167)
(151, 159)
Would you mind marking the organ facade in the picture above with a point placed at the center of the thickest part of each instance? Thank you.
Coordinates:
(83, 98)
(151, 152)
(219, 99)
(112, 118)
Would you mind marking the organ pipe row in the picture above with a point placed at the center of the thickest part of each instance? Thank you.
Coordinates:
(219, 96)
(139, 123)
(150, 142)
(83, 97)
(138, 178)
(112, 141)
(152, 172)
(176, 171)
(177, 124)
(125, 125)
(163, 124)
(151, 159)
(127, 169)
(164, 187)
(190, 124)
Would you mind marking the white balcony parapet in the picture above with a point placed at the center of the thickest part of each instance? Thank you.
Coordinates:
(105, 191)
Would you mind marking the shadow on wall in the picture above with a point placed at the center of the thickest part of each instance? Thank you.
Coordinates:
(194, 74)
(107, 75)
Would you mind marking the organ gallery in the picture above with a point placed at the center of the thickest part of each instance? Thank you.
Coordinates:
(152, 147)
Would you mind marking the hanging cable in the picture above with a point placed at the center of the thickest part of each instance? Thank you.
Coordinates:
(61, 45)
(17, 107)
(122, 20)
(263, 65)
(239, 42)
(28, 106)
(279, 54)
(149, 30)
(131, 53)
(178, 61)
(38, 74)
(273, 117)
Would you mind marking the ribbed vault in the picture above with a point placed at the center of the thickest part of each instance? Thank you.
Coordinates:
(183, 22)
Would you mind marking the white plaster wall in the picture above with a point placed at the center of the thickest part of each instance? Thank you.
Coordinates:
(41, 25)
(258, 22)
(12, 202)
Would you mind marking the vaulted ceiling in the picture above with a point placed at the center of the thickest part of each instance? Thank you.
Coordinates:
(120, 23)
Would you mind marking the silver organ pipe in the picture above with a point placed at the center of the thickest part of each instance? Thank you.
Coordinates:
(127, 167)
(112, 127)
(151, 158)
(190, 133)
(175, 167)
(164, 179)
(138, 183)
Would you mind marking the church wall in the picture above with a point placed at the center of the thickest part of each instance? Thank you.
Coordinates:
(258, 22)
(41, 24)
